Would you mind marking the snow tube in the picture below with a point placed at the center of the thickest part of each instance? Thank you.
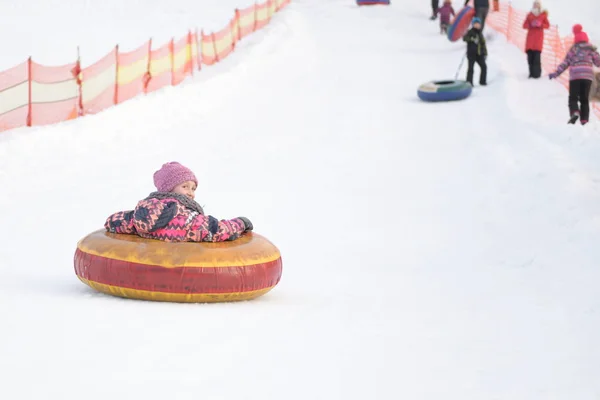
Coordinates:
(444, 90)
(133, 267)
(371, 2)
(460, 25)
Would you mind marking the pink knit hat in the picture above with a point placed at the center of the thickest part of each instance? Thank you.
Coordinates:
(172, 174)
(580, 35)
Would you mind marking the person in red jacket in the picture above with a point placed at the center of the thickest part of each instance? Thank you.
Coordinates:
(535, 23)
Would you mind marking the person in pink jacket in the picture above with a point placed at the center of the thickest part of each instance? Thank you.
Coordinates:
(446, 11)
(171, 213)
(580, 61)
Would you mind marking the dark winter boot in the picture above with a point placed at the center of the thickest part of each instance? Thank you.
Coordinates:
(574, 117)
(583, 122)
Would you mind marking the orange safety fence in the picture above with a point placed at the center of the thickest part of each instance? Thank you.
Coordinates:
(160, 68)
(246, 21)
(32, 94)
(14, 97)
(509, 21)
(99, 84)
(132, 68)
(54, 94)
(184, 58)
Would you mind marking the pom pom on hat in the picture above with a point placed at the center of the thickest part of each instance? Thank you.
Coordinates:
(577, 28)
(172, 174)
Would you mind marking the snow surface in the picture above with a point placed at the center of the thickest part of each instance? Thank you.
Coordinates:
(51, 30)
(431, 251)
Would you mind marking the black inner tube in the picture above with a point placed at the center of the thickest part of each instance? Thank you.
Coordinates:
(444, 82)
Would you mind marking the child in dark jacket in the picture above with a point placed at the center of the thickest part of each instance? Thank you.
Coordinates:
(171, 213)
(580, 61)
(445, 12)
(476, 52)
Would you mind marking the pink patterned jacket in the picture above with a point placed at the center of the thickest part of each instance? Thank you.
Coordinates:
(173, 218)
(580, 61)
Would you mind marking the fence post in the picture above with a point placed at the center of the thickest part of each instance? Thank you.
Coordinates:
(148, 74)
(555, 58)
(509, 22)
(255, 17)
(232, 35)
(116, 98)
(214, 41)
(202, 36)
(239, 28)
(78, 76)
(171, 50)
(190, 53)
(198, 51)
(29, 80)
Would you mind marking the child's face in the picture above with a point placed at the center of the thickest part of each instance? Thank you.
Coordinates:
(477, 25)
(187, 188)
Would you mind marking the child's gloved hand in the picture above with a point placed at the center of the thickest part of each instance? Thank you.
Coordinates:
(247, 224)
(536, 23)
(552, 75)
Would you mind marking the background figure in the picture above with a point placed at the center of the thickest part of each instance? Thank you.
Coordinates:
(435, 4)
(595, 91)
(580, 60)
(535, 23)
(445, 11)
(481, 10)
(476, 52)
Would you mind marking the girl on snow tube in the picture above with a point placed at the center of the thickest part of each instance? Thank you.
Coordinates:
(124, 260)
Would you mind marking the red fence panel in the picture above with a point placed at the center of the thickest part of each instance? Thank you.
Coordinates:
(263, 14)
(224, 40)
(14, 97)
(183, 58)
(54, 94)
(98, 84)
(246, 21)
(132, 69)
(160, 68)
(207, 47)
